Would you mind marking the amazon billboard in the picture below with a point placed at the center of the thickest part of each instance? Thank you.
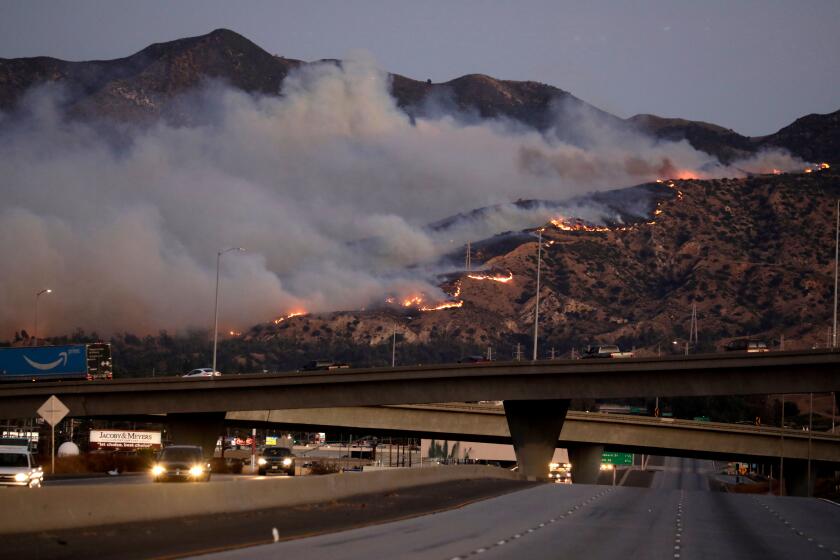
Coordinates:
(33, 362)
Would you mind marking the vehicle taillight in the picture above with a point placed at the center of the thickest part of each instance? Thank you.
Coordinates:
(89, 377)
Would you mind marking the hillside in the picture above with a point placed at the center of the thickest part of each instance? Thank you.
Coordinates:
(755, 255)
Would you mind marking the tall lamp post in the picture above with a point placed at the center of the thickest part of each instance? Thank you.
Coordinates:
(537, 302)
(836, 252)
(216, 312)
(37, 296)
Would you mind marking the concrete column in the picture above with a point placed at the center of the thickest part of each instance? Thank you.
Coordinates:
(586, 463)
(202, 429)
(534, 428)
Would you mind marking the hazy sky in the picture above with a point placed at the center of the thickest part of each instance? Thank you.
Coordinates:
(751, 65)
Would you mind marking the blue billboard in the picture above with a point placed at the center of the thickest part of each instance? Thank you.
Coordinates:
(43, 361)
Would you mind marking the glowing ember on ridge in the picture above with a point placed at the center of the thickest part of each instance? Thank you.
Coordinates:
(289, 316)
(575, 224)
(495, 278)
(444, 305)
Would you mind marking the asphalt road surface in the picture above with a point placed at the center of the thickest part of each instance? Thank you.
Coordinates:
(678, 473)
(678, 519)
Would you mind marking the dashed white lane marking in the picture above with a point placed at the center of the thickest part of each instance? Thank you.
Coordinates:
(537, 527)
(793, 529)
(678, 535)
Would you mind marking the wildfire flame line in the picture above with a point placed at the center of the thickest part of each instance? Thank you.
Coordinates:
(289, 316)
(444, 305)
(575, 224)
(494, 278)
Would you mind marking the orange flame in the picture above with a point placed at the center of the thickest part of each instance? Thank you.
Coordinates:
(289, 316)
(413, 301)
(444, 305)
(575, 224)
(494, 278)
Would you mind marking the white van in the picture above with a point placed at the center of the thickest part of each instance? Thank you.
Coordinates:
(18, 467)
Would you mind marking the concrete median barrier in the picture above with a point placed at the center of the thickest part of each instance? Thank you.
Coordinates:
(67, 507)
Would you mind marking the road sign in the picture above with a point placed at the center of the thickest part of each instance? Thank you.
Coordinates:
(613, 458)
(53, 411)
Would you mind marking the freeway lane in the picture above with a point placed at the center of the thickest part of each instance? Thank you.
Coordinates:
(678, 473)
(593, 522)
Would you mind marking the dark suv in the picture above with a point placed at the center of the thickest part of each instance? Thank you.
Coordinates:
(181, 462)
(276, 460)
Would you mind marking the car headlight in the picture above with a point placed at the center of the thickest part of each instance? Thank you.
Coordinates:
(21, 477)
(158, 470)
(261, 461)
(197, 470)
(287, 462)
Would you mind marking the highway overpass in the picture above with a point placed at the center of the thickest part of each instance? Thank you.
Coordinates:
(585, 435)
(536, 394)
(615, 432)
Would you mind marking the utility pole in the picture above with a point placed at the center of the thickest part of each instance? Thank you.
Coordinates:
(836, 249)
(552, 352)
(537, 301)
(216, 306)
(782, 452)
(518, 352)
(489, 353)
(810, 429)
(394, 347)
(692, 331)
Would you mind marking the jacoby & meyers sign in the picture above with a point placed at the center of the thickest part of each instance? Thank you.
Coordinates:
(124, 439)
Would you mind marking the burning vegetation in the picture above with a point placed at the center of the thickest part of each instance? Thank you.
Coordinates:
(289, 316)
(502, 278)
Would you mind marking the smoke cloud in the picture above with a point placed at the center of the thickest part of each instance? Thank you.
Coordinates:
(329, 187)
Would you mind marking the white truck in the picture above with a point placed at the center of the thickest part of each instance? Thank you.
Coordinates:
(18, 467)
(605, 351)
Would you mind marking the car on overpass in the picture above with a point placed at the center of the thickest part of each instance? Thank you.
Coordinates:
(202, 372)
(276, 460)
(181, 462)
(323, 365)
(747, 345)
(605, 351)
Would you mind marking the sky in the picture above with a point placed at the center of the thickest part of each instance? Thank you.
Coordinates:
(750, 65)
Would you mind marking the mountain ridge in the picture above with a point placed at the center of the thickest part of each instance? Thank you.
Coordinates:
(143, 86)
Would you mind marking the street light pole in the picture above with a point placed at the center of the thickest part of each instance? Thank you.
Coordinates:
(836, 250)
(537, 303)
(216, 312)
(38, 295)
(394, 347)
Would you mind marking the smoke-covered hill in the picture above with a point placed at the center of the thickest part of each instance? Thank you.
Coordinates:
(152, 83)
(352, 187)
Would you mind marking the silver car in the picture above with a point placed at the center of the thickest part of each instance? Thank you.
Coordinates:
(203, 372)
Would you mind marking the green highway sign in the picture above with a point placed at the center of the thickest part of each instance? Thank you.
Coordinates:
(613, 458)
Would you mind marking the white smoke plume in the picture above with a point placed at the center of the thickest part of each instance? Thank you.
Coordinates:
(329, 188)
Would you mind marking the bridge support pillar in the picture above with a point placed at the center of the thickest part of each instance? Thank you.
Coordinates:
(797, 479)
(201, 428)
(586, 463)
(534, 428)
